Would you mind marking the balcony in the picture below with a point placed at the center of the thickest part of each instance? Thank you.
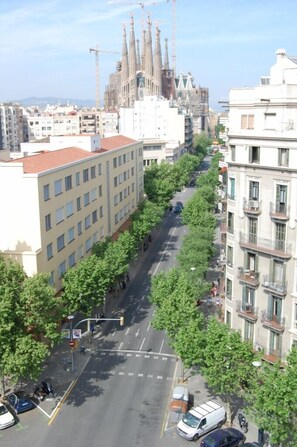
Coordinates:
(273, 321)
(274, 248)
(279, 211)
(248, 276)
(231, 196)
(275, 287)
(251, 207)
(247, 310)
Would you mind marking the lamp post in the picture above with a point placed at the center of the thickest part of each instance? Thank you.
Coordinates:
(71, 343)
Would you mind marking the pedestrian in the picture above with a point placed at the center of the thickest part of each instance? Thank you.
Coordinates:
(92, 328)
(127, 277)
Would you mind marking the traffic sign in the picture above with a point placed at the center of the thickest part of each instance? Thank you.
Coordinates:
(72, 343)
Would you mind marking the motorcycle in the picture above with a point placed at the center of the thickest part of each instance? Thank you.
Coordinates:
(243, 424)
(47, 388)
(38, 393)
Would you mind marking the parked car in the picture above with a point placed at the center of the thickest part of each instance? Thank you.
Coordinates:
(180, 400)
(6, 418)
(229, 437)
(180, 204)
(252, 444)
(20, 401)
(178, 208)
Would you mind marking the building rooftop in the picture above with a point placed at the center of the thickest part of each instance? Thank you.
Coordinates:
(48, 160)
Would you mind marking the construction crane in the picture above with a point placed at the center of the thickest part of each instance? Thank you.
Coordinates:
(173, 35)
(96, 51)
(141, 4)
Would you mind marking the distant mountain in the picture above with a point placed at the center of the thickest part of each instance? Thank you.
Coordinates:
(42, 102)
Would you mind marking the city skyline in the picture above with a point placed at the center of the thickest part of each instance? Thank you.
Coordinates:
(45, 45)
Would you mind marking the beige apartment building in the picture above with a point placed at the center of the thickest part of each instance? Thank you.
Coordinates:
(261, 266)
(57, 203)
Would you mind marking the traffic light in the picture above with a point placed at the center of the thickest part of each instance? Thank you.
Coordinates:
(122, 321)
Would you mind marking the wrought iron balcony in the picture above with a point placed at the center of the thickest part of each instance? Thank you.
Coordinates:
(251, 206)
(247, 310)
(275, 248)
(280, 211)
(248, 276)
(277, 287)
(273, 321)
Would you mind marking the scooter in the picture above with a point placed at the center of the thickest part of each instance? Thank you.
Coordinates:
(38, 393)
(243, 424)
(47, 388)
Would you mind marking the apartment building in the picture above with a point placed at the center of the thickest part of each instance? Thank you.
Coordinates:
(57, 203)
(261, 267)
(165, 132)
(11, 127)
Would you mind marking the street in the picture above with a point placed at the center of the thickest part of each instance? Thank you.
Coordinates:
(122, 395)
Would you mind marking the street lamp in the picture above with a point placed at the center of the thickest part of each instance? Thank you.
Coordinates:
(71, 343)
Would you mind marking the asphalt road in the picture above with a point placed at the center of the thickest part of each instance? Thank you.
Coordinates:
(122, 396)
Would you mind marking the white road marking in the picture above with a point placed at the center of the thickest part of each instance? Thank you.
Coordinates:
(156, 357)
(150, 376)
(140, 349)
(129, 354)
(148, 328)
(121, 344)
(132, 321)
(164, 252)
(159, 377)
(147, 356)
(130, 374)
(161, 345)
(164, 358)
(140, 375)
(137, 333)
(138, 353)
(121, 373)
(127, 331)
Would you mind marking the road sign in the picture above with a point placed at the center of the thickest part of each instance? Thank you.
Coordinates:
(72, 343)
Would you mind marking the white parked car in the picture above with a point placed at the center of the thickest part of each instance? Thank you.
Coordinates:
(6, 418)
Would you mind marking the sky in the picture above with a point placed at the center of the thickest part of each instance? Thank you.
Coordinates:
(224, 44)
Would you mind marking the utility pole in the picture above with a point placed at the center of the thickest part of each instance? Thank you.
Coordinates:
(96, 51)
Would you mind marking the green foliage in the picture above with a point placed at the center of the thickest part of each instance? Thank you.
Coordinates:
(100, 248)
(201, 143)
(197, 213)
(148, 216)
(274, 401)
(159, 185)
(189, 341)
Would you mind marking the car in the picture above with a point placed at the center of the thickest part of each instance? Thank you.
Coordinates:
(192, 182)
(179, 203)
(6, 418)
(20, 401)
(229, 437)
(180, 400)
(177, 209)
(252, 444)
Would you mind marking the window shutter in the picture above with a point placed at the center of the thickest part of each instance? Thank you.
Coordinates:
(250, 154)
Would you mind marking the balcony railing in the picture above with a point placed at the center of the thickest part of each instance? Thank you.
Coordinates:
(251, 206)
(231, 196)
(276, 247)
(248, 276)
(279, 211)
(273, 321)
(278, 287)
(247, 310)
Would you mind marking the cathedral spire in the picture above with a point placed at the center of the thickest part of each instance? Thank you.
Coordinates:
(157, 80)
(125, 67)
(148, 60)
(132, 48)
(166, 58)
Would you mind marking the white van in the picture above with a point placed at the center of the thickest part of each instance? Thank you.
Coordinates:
(202, 419)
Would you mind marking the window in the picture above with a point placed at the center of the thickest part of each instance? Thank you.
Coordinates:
(71, 260)
(46, 192)
(229, 289)
(115, 182)
(79, 228)
(254, 154)
(87, 222)
(80, 252)
(231, 194)
(93, 172)
(228, 318)
(253, 230)
(280, 236)
(248, 298)
(115, 162)
(85, 175)
(52, 279)
(49, 251)
(60, 242)
(124, 158)
(247, 121)
(132, 172)
(120, 162)
(58, 187)
(77, 178)
(61, 269)
(95, 237)
(48, 224)
(281, 198)
(86, 199)
(59, 215)
(230, 256)
(88, 244)
(99, 168)
(68, 183)
(100, 191)
(230, 222)
(70, 235)
(232, 149)
(78, 204)
(254, 190)
(94, 216)
(270, 120)
(132, 155)
(248, 331)
(93, 194)
(283, 157)
(69, 209)
(101, 211)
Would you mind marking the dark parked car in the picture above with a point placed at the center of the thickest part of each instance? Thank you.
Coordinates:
(20, 401)
(252, 444)
(177, 209)
(229, 437)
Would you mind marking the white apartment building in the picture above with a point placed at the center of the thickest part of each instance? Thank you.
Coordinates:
(161, 127)
(261, 249)
(58, 203)
(11, 127)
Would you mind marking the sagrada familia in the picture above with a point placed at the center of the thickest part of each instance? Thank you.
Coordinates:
(141, 72)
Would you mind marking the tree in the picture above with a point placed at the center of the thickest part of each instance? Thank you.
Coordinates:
(201, 142)
(273, 400)
(197, 213)
(100, 248)
(227, 361)
(145, 219)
